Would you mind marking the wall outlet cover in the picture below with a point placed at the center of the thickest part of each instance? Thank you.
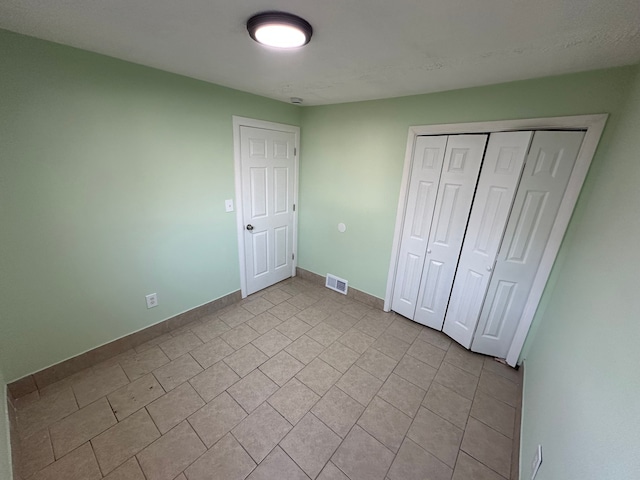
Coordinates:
(152, 300)
(537, 461)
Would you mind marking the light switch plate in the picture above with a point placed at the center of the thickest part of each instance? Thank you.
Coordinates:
(228, 205)
(537, 461)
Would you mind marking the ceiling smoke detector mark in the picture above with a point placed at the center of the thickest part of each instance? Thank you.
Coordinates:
(340, 285)
(537, 461)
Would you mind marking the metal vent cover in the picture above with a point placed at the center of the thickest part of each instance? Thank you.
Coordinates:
(340, 285)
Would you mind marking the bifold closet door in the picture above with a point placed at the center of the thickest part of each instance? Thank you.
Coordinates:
(496, 190)
(458, 180)
(544, 180)
(428, 158)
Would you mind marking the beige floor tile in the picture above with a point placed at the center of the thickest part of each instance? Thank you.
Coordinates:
(374, 327)
(144, 362)
(339, 356)
(402, 394)
(271, 342)
(278, 466)
(357, 340)
(36, 453)
(391, 346)
(435, 338)
(236, 316)
(245, 360)
(448, 404)
(209, 329)
(488, 446)
(304, 349)
(310, 444)
(165, 458)
(359, 385)
(427, 353)
(302, 301)
(212, 352)
(469, 468)
(45, 411)
(152, 343)
(179, 345)
(356, 310)
(129, 470)
(340, 321)
(464, 359)
(284, 311)
(338, 411)
(122, 441)
(131, 398)
(377, 363)
(214, 380)
(281, 368)
(415, 371)
(457, 380)
(81, 426)
(331, 472)
(324, 334)
(415, 463)
(172, 408)
(77, 465)
(252, 390)
(101, 383)
(436, 436)
(264, 322)
(177, 372)
(328, 305)
(494, 413)
(276, 296)
(362, 457)
(293, 400)
(499, 387)
(227, 460)
(261, 431)
(293, 328)
(239, 336)
(217, 418)
(312, 315)
(405, 330)
(386, 423)
(257, 306)
(319, 376)
(493, 366)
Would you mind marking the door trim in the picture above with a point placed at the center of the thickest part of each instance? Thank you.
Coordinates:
(594, 126)
(239, 122)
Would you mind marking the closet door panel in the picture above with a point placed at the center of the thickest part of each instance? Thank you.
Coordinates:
(423, 188)
(498, 182)
(462, 162)
(544, 181)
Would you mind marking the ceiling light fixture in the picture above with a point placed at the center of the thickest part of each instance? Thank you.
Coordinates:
(279, 29)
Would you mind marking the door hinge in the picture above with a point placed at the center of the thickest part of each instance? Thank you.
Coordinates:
(295, 151)
(293, 256)
(294, 207)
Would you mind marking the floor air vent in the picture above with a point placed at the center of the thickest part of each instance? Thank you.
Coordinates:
(338, 284)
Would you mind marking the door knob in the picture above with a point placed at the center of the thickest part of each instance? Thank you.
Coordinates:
(249, 227)
(428, 251)
(489, 269)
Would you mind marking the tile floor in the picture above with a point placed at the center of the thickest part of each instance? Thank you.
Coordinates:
(294, 382)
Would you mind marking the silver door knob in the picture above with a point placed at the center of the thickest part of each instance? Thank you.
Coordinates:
(489, 269)
(249, 227)
(428, 251)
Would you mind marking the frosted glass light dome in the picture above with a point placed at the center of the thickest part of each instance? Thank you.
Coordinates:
(279, 30)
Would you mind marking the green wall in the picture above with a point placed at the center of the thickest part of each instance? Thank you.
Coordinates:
(582, 385)
(113, 178)
(353, 154)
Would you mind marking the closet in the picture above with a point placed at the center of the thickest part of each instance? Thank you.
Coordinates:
(479, 212)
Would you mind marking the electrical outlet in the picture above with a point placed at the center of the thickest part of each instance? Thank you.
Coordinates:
(228, 205)
(537, 461)
(152, 300)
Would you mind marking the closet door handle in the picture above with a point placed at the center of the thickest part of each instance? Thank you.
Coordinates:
(428, 251)
(249, 227)
(489, 268)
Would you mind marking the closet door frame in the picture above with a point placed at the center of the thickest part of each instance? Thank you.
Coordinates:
(593, 126)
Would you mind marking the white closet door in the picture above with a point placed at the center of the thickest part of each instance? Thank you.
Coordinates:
(462, 162)
(499, 178)
(423, 186)
(544, 180)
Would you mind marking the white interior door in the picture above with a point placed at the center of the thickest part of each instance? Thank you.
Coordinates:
(268, 174)
(462, 161)
(428, 157)
(496, 190)
(544, 180)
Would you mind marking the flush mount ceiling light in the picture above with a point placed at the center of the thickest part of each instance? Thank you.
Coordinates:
(279, 29)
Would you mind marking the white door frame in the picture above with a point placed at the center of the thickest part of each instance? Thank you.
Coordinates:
(280, 127)
(593, 124)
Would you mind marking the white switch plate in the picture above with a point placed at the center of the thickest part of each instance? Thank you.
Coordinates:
(228, 205)
(537, 461)
(152, 300)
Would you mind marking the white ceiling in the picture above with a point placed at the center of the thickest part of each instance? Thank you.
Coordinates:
(361, 49)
